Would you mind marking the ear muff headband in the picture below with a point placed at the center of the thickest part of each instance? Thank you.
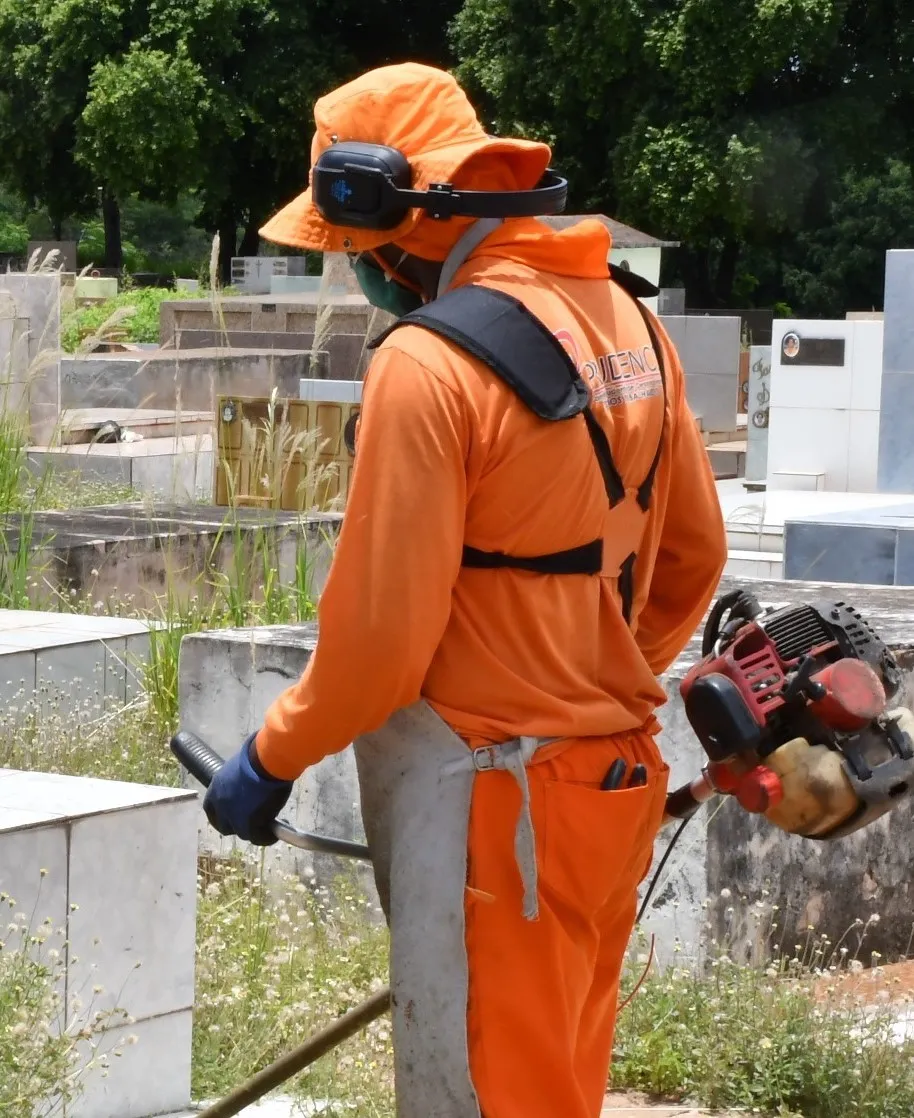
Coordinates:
(369, 186)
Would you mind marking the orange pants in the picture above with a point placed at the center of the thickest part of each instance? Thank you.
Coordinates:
(543, 995)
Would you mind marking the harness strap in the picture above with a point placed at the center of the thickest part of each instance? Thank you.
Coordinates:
(513, 756)
(501, 332)
(584, 560)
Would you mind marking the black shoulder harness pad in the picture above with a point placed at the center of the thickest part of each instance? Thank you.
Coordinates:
(636, 286)
(499, 330)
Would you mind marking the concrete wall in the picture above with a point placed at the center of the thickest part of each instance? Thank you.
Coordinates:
(227, 680)
(347, 355)
(189, 380)
(133, 552)
(709, 350)
(113, 866)
(285, 314)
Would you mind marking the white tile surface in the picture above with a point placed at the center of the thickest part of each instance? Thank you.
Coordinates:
(765, 512)
(866, 377)
(795, 386)
(116, 669)
(17, 677)
(71, 796)
(809, 440)
(21, 618)
(771, 568)
(863, 451)
(23, 855)
(14, 818)
(741, 568)
(808, 481)
(150, 1077)
(99, 627)
(41, 638)
(133, 875)
(71, 623)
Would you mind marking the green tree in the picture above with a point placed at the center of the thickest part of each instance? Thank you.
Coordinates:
(110, 97)
(37, 122)
(100, 99)
(843, 262)
(729, 125)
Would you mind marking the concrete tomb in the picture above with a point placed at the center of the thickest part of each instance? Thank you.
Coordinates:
(139, 554)
(113, 867)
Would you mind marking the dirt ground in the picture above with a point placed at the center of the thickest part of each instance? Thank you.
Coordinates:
(633, 1104)
(893, 984)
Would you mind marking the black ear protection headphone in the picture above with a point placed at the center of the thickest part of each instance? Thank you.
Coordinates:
(369, 186)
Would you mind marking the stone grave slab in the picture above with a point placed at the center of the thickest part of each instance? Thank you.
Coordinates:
(113, 865)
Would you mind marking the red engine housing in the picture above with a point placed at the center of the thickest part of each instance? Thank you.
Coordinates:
(735, 699)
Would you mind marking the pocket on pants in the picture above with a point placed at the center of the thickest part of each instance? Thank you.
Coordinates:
(595, 842)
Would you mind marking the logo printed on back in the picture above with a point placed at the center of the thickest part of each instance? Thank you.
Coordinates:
(616, 378)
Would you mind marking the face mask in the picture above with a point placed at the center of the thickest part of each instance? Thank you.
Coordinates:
(382, 290)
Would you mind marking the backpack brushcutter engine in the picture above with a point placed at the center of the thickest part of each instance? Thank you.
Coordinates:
(792, 706)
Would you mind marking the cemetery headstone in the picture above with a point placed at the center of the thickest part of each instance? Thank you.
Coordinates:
(824, 412)
(35, 370)
(709, 350)
(252, 274)
(64, 254)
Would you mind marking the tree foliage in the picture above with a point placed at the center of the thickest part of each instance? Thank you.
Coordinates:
(105, 98)
(733, 126)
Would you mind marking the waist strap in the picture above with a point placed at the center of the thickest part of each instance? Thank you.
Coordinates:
(584, 560)
(513, 756)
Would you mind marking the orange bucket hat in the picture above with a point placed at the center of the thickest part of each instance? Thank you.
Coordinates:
(424, 113)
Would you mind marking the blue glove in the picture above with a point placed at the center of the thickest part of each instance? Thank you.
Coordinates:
(244, 800)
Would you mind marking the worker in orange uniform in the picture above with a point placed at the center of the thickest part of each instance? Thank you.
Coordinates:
(531, 536)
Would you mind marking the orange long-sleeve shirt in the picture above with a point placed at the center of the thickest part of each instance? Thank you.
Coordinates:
(448, 454)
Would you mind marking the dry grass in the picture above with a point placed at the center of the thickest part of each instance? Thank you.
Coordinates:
(49, 1044)
(273, 966)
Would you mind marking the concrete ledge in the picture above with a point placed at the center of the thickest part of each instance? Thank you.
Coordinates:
(176, 468)
(186, 379)
(139, 552)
